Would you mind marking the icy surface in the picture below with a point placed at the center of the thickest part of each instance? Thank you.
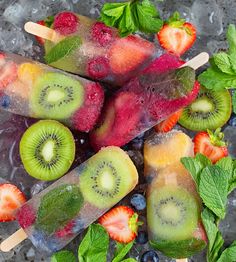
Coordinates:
(210, 16)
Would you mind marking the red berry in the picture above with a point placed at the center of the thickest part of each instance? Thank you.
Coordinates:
(66, 230)
(98, 68)
(8, 74)
(26, 216)
(66, 23)
(101, 33)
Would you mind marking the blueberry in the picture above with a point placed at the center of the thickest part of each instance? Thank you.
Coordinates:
(232, 121)
(150, 256)
(142, 237)
(138, 201)
(5, 101)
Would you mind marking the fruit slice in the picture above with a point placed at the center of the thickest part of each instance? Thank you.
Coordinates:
(11, 198)
(8, 74)
(165, 149)
(47, 150)
(56, 96)
(126, 54)
(172, 213)
(121, 224)
(58, 206)
(29, 72)
(211, 109)
(108, 177)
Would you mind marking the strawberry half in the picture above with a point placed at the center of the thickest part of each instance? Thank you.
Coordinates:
(8, 73)
(211, 145)
(168, 124)
(11, 198)
(177, 36)
(40, 40)
(121, 224)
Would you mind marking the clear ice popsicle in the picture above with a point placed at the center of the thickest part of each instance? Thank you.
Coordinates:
(32, 89)
(173, 204)
(100, 53)
(52, 218)
(145, 101)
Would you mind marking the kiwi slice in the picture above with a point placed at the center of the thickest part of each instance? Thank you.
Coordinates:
(210, 110)
(108, 177)
(172, 213)
(58, 206)
(47, 150)
(56, 96)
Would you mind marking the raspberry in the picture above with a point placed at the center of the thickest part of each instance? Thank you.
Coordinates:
(101, 33)
(66, 23)
(66, 230)
(86, 117)
(98, 68)
(26, 216)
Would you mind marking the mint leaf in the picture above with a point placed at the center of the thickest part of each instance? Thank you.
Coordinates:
(121, 251)
(229, 254)
(226, 163)
(94, 246)
(49, 21)
(64, 48)
(234, 102)
(203, 160)
(213, 189)
(129, 260)
(126, 23)
(63, 256)
(231, 37)
(216, 249)
(222, 61)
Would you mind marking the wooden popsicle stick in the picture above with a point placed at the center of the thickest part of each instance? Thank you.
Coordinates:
(43, 32)
(13, 240)
(197, 61)
(182, 260)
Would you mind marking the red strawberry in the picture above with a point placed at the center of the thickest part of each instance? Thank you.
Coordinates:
(168, 124)
(8, 74)
(66, 230)
(211, 145)
(11, 198)
(101, 33)
(66, 23)
(177, 36)
(40, 40)
(121, 224)
(126, 54)
(26, 216)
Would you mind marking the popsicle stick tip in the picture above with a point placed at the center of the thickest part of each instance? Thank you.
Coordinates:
(182, 260)
(198, 61)
(13, 240)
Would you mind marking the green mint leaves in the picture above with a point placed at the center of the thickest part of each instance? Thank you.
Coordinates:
(64, 48)
(222, 73)
(214, 183)
(132, 16)
(63, 256)
(121, 251)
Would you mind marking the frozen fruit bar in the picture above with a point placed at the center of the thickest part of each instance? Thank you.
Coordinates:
(173, 204)
(96, 50)
(143, 102)
(36, 90)
(52, 218)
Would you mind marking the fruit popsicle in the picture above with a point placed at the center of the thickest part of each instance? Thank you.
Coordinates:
(173, 204)
(99, 53)
(36, 90)
(52, 218)
(145, 101)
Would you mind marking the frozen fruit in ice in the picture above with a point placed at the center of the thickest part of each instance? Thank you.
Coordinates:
(19, 89)
(165, 149)
(11, 198)
(8, 74)
(98, 67)
(5, 101)
(29, 72)
(138, 201)
(232, 120)
(121, 224)
(86, 117)
(66, 231)
(101, 33)
(40, 40)
(142, 237)
(66, 23)
(127, 53)
(150, 256)
(26, 216)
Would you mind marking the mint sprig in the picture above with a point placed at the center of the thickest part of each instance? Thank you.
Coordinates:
(63, 256)
(132, 16)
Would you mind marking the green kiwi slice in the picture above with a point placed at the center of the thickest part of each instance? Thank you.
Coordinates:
(211, 109)
(107, 178)
(58, 206)
(47, 150)
(56, 96)
(172, 213)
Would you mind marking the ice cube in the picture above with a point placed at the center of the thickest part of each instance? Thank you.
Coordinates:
(230, 134)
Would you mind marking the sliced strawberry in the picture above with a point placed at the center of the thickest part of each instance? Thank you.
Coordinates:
(126, 54)
(177, 36)
(8, 74)
(11, 198)
(40, 40)
(168, 124)
(211, 145)
(121, 224)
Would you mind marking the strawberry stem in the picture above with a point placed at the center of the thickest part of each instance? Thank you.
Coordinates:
(134, 223)
(217, 137)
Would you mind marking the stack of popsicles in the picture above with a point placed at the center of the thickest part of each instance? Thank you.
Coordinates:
(153, 87)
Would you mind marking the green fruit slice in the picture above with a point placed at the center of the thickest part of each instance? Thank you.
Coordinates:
(58, 207)
(47, 150)
(56, 96)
